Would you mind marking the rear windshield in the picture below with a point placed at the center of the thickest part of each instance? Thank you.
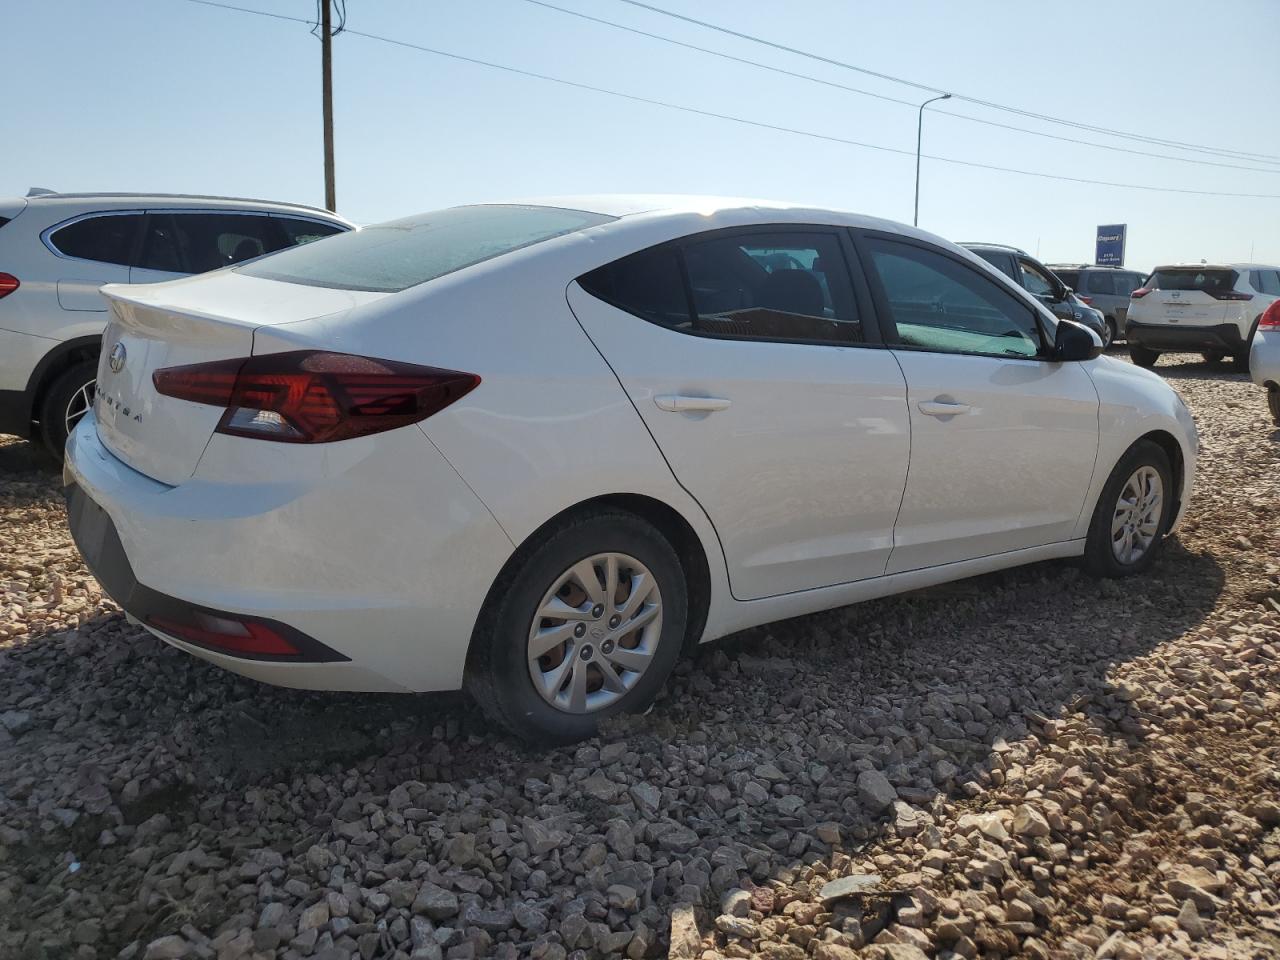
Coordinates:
(393, 256)
(1189, 278)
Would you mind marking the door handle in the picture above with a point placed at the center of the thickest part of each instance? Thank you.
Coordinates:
(941, 408)
(680, 404)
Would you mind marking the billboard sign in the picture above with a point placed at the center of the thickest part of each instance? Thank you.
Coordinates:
(1109, 247)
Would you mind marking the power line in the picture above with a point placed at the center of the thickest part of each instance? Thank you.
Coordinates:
(880, 96)
(745, 121)
(1178, 144)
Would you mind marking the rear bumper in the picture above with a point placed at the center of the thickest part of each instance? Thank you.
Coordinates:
(375, 559)
(1175, 337)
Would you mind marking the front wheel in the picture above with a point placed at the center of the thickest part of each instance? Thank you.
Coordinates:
(67, 400)
(587, 624)
(1143, 357)
(1132, 513)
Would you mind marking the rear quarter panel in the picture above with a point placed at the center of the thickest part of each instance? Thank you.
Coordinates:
(549, 426)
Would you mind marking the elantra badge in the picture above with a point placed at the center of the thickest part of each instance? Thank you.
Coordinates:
(118, 357)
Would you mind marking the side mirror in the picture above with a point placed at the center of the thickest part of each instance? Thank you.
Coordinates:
(1074, 341)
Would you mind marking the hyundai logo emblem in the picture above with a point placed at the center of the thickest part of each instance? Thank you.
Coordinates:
(118, 357)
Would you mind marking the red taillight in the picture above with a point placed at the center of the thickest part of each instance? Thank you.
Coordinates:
(8, 284)
(309, 396)
(1140, 293)
(1087, 301)
(1229, 295)
(1270, 317)
(240, 637)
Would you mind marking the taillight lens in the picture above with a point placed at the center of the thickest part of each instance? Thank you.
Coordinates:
(1088, 301)
(8, 284)
(310, 396)
(1140, 293)
(1229, 295)
(1270, 318)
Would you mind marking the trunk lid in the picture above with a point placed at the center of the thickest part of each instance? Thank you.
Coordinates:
(1185, 295)
(195, 320)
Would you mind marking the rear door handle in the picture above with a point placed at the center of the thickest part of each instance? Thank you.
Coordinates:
(941, 408)
(681, 404)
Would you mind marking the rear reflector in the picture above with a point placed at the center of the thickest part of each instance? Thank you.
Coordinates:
(238, 637)
(1271, 318)
(8, 284)
(309, 396)
(1140, 293)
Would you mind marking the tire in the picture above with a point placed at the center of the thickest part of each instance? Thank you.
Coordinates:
(1111, 333)
(1241, 361)
(1273, 403)
(1213, 356)
(500, 672)
(1102, 547)
(72, 386)
(1143, 357)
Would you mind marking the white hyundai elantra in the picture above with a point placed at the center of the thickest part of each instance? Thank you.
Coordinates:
(537, 450)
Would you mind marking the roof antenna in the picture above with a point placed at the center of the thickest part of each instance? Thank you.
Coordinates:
(41, 192)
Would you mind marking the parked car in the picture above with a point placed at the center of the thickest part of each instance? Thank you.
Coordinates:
(538, 450)
(1041, 282)
(1264, 357)
(57, 249)
(1211, 309)
(1106, 289)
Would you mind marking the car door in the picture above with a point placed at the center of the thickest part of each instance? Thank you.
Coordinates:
(1002, 441)
(93, 250)
(752, 358)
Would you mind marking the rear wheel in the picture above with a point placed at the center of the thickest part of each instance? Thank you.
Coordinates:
(1110, 336)
(1132, 513)
(1273, 402)
(587, 625)
(67, 400)
(1143, 357)
(1213, 356)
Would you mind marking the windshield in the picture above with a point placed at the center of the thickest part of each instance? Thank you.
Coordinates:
(390, 257)
(1191, 278)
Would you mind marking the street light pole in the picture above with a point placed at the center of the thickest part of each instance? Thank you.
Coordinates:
(326, 96)
(915, 219)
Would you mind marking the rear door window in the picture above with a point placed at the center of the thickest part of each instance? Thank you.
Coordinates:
(790, 286)
(106, 238)
(1270, 282)
(1002, 261)
(207, 241)
(783, 286)
(1101, 282)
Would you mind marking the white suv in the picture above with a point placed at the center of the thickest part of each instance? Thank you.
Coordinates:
(1211, 309)
(57, 249)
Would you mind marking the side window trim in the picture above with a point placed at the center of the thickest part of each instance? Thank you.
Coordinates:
(46, 235)
(883, 310)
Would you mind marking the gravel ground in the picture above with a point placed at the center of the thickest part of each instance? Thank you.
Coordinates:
(1025, 764)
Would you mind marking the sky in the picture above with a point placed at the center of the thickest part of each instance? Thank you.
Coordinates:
(171, 96)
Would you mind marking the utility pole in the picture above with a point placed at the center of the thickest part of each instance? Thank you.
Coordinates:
(326, 79)
(915, 219)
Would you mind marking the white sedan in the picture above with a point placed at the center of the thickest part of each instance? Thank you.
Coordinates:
(1264, 358)
(537, 450)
